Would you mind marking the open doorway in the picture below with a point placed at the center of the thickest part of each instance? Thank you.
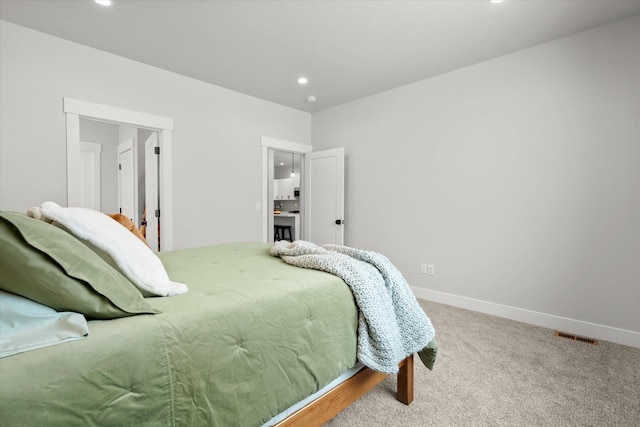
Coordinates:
(287, 195)
(119, 166)
(274, 194)
(321, 191)
(152, 134)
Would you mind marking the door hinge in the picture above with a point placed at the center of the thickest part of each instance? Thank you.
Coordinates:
(119, 166)
(156, 150)
(157, 213)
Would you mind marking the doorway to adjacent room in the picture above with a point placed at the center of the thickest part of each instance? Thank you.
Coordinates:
(320, 197)
(157, 138)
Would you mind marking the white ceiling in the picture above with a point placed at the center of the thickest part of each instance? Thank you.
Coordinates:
(347, 49)
(280, 157)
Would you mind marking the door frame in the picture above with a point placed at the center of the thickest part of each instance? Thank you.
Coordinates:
(151, 190)
(75, 109)
(267, 179)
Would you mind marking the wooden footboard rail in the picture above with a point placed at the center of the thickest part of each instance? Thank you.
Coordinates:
(333, 402)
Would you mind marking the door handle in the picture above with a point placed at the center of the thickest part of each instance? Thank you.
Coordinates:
(339, 222)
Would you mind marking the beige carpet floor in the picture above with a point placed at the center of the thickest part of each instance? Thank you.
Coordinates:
(497, 372)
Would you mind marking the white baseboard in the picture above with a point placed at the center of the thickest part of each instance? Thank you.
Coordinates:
(578, 327)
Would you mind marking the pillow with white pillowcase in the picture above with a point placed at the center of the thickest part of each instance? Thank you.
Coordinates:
(117, 245)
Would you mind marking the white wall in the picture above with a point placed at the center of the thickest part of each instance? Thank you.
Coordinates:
(105, 134)
(518, 178)
(217, 153)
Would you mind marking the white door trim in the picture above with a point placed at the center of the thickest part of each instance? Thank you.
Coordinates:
(267, 186)
(75, 109)
(90, 110)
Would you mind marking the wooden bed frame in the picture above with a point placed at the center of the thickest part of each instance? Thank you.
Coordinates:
(333, 402)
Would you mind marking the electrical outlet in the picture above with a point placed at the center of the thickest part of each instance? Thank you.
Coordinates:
(431, 270)
(423, 268)
(258, 207)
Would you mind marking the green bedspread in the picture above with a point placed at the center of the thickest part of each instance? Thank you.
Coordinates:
(251, 337)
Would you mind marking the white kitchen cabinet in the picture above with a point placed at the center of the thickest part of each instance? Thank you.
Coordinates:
(283, 189)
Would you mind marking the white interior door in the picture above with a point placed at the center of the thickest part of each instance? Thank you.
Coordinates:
(152, 202)
(90, 184)
(128, 179)
(324, 187)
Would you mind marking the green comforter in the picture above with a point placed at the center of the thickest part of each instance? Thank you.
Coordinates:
(251, 337)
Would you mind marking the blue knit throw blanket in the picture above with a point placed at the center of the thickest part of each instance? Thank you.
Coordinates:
(391, 323)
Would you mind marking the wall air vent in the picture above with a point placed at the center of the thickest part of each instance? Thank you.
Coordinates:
(576, 337)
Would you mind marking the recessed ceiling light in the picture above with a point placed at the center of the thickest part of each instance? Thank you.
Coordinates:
(496, 1)
(104, 2)
(281, 164)
(303, 81)
(311, 99)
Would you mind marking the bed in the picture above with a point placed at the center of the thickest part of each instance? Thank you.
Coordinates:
(251, 338)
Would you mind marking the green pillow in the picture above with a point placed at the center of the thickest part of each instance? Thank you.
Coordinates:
(41, 262)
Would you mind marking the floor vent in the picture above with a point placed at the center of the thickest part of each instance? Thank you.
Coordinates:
(576, 337)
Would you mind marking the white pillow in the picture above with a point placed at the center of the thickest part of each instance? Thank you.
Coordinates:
(116, 245)
(26, 325)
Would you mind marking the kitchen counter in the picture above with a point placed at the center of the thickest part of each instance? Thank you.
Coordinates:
(289, 218)
(286, 214)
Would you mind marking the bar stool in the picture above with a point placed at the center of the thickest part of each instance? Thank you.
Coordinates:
(281, 233)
